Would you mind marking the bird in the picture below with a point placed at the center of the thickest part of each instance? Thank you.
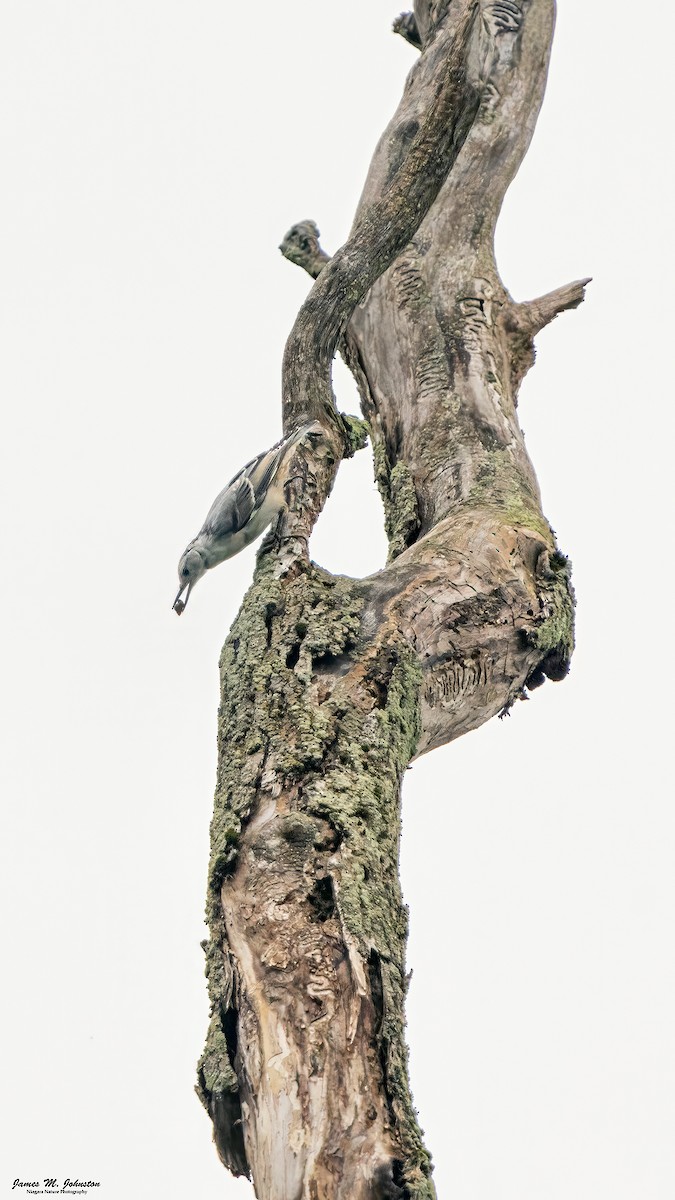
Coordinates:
(240, 513)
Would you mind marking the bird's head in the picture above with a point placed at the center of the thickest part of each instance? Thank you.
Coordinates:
(190, 568)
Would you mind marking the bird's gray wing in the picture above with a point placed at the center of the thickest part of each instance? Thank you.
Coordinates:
(231, 509)
(264, 469)
(250, 467)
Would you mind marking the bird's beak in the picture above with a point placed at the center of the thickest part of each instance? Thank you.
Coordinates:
(179, 605)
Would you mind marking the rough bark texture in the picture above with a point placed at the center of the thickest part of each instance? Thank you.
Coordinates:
(330, 686)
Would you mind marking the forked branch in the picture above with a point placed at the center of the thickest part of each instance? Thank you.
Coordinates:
(330, 686)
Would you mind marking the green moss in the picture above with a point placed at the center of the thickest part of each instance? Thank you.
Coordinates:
(358, 432)
(554, 635)
(279, 637)
(401, 507)
(360, 797)
(381, 463)
(500, 486)
(276, 709)
(214, 1065)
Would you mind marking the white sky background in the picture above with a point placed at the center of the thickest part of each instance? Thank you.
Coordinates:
(153, 156)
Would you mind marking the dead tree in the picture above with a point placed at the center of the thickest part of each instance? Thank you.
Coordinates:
(330, 685)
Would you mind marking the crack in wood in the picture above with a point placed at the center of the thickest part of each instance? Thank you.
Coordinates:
(455, 681)
(503, 16)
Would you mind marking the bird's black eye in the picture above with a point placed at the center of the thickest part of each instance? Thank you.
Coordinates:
(185, 572)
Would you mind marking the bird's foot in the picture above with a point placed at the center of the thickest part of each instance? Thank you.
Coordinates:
(272, 540)
(269, 543)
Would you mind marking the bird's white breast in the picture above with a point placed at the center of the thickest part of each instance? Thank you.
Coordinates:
(227, 547)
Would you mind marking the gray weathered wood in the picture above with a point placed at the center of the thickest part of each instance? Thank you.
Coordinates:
(330, 686)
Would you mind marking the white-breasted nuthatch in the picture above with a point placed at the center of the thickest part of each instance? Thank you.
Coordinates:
(240, 513)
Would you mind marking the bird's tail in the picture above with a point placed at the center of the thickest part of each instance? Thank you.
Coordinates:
(261, 471)
(286, 443)
(312, 429)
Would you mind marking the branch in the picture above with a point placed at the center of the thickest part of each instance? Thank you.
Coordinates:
(532, 316)
(449, 415)
(450, 104)
(423, 18)
(301, 246)
(406, 25)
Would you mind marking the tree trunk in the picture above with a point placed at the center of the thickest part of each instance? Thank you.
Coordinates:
(330, 686)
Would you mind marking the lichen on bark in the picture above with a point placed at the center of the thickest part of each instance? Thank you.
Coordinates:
(291, 733)
(553, 634)
(401, 509)
(329, 685)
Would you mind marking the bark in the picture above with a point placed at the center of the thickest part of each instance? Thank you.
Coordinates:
(330, 686)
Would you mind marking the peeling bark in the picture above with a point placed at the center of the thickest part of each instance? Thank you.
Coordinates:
(331, 686)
